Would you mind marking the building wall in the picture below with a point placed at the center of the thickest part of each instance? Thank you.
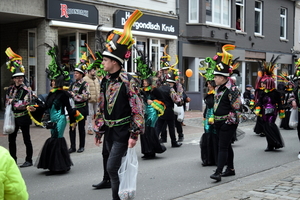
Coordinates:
(23, 7)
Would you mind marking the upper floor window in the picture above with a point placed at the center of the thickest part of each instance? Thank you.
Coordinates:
(258, 17)
(283, 16)
(218, 12)
(239, 15)
(193, 11)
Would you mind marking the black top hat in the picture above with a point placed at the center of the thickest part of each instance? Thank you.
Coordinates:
(224, 61)
(119, 44)
(14, 64)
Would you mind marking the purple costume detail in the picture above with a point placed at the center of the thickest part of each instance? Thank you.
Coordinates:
(271, 117)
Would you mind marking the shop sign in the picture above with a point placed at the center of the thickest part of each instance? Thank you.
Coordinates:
(72, 12)
(147, 23)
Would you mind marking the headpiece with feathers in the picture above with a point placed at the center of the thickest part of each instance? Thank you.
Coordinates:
(208, 65)
(54, 69)
(144, 69)
(297, 70)
(14, 63)
(268, 72)
(98, 58)
(165, 60)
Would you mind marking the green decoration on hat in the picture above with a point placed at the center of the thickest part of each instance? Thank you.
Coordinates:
(54, 69)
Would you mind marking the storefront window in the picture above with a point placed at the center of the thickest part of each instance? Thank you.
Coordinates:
(155, 54)
(32, 60)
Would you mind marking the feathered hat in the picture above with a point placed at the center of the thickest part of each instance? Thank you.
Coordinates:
(297, 70)
(224, 63)
(54, 69)
(207, 66)
(286, 78)
(14, 63)
(144, 70)
(268, 76)
(83, 65)
(119, 44)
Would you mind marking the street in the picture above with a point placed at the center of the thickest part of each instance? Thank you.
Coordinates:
(175, 173)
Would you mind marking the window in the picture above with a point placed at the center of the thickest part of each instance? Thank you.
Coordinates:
(193, 11)
(283, 16)
(239, 15)
(218, 12)
(155, 54)
(258, 17)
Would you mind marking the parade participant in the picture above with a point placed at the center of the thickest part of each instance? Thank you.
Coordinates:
(259, 90)
(227, 106)
(12, 184)
(296, 102)
(154, 107)
(269, 105)
(120, 116)
(209, 140)
(54, 155)
(163, 74)
(287, 100)
(94, 86)
(169, 98)
(19, 95)
(81, 94)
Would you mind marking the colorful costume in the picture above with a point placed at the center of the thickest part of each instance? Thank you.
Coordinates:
(287, 100)
(227, 111)
(121, 111)
(20, 96)
(54, 154)
(150, 143)
(208, 140)
(269, 105)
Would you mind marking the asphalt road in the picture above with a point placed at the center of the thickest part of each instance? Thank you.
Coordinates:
(175, 173)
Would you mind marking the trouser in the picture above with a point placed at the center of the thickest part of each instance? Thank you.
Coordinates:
(116, 151)
(105, 155)
(27, 141)
(171, 127)
(178, 126)
(81, 129)
(92, 112)
(225, 134)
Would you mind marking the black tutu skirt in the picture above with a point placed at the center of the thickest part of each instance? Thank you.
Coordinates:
(150, 142)
(54, 155)
(273, 135)
(259, 125)
(209, 149)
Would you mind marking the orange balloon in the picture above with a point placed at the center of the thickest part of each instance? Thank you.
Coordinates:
(189, 73)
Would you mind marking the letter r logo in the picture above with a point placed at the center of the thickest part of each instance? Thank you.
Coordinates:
(64, 10)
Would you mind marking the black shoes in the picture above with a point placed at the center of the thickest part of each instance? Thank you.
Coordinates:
(149, 155)
(102, 184)
(176, 144)
(26, 164)
(71, 150)
(80, 150)
(228, 172)
(269, 149)
(216, 176)
(180, 139)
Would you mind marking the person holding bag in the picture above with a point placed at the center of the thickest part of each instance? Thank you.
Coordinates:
(121, 112)
(19, 96)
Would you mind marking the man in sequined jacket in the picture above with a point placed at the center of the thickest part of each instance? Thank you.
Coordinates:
(121, 113)
(227, 105)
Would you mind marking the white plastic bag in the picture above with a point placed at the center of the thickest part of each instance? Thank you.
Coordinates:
(128, 174)
(180, 117)
(9, 120)
(293, 122)
(177, 109)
